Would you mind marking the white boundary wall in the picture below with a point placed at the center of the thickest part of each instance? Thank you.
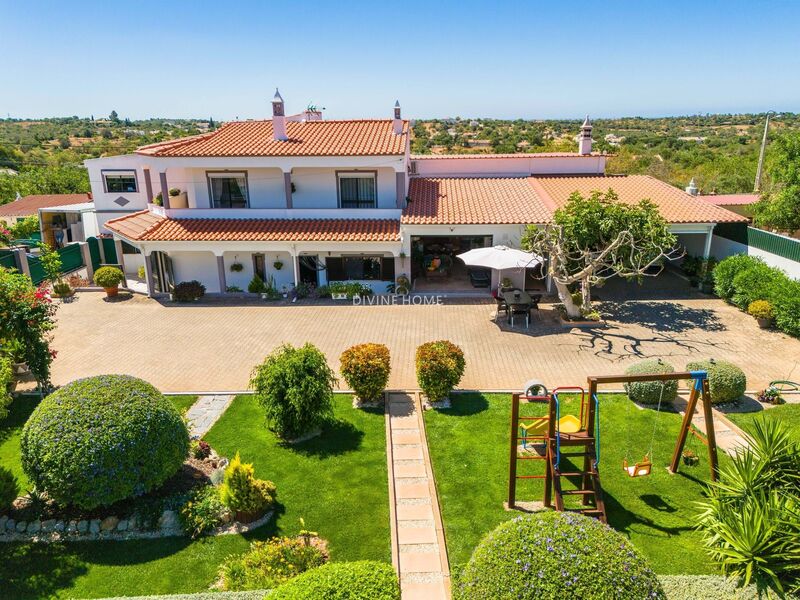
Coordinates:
(723, 247)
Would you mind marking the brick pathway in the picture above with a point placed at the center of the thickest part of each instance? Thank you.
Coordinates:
(204, 413)
(418, 546)
(213, 346)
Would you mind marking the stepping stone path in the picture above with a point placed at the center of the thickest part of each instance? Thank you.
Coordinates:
(205, 411)
(418, 548)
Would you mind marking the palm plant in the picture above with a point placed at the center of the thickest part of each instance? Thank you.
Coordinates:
(750, 521)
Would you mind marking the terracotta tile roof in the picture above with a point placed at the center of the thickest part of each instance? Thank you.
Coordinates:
(730, 199)
(675, 205)
(474, 200)
(30, 205)
(512, 155)
(146, 226)
(368, 137)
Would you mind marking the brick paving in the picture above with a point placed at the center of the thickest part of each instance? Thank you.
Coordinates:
(213, 346)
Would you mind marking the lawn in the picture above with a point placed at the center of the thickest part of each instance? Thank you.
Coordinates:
(337, 482)
(182, 402)
(469, 451)
(788, 414)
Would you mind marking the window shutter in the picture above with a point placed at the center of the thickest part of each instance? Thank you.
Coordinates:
(335, 267)
(387, 269)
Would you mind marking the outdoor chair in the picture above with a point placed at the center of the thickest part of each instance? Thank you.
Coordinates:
(520, 309)
(501, 305)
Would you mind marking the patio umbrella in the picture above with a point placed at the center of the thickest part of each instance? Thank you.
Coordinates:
(500, 258)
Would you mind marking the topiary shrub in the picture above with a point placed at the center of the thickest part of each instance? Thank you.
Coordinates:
(268, 564)
(760, 309)
(649, 392)
(440, 366)
(242, 493)
(727, 269)
(9, 488)
(108, 277)
(189, 291)
(360, 580)
(295, 387)
(726, 381)
(366, 369)
(102, 439)
(556, 555)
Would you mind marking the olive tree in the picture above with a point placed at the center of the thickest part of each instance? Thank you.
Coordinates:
(593, 239)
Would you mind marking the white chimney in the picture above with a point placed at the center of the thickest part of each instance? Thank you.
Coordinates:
(585, 139)
(397, 124)
(278, 118)
(692, 188)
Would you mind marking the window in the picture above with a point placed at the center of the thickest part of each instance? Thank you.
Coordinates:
(369, 268)
(228, 190)
(357, 190)
(120, 181)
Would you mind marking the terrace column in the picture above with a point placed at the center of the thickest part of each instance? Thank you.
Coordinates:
(709, 238)
(223, 285)
(295, 265)
(164, 189)
(148, 275)
(118, 250)
(148, 185)
(287, 186)
(87, 259)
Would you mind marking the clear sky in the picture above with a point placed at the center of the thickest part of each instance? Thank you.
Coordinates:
(488, 59)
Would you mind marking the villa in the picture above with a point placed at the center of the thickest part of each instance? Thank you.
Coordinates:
(302, 199)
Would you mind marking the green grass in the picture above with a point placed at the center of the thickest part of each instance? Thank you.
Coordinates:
(788, 414)
(10, 431)
(469, 447)
(182, 402)
(337, 482)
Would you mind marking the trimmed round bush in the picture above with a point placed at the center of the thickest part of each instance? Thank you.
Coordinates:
(556, 555)
(366, 369)
(108, 277)
(295, 388)
(727, 269)
(440, 366)
(649, 392)
(726, 381)
(9, 488)
(360, 580)
(102, 439)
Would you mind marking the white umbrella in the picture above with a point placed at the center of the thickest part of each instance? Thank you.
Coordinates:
(500, 257)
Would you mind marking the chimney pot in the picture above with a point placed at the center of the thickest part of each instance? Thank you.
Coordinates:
(397, 124)
(278, 117)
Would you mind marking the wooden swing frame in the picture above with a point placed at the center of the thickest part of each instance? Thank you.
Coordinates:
(699, 392)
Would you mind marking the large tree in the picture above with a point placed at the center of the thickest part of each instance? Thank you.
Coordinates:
(595, 238)
(779, 208)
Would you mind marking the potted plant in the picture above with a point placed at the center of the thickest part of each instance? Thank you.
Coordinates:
(338, 290)
(690, 458)
(762, 311)
(278, 265)
(284, 291)
(109, 279)
(402, 285)
(770, 395)
(15, 350)
(237, 267)
(61, 289)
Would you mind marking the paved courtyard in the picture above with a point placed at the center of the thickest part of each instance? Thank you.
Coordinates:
(213, 346)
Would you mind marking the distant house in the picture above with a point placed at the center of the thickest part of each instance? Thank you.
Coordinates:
(61, 216)
(300, 199)
(741, 204)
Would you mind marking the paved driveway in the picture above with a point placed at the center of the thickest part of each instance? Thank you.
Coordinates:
(213, 347)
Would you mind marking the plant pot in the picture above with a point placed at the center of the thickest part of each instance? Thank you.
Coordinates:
(764, 323)
(111, 291)
(20, 369)
(690, 461)
(248, 517)
(339, 296)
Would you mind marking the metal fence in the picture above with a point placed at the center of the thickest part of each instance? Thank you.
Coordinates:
(110, 251)
(7, 260)
(38, 274)
(777, 244)
(71, 258)
(94, 252)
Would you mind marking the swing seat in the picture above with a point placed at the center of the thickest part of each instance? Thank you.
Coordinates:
(639, 469)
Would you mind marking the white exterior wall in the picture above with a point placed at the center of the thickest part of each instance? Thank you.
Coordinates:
(283, 277)
(105, 201)
(264, 187)
(317, 187)
(723, 247)
(201, 266)
(509, 166)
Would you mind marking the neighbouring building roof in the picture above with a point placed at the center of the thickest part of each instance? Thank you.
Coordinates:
(30, 205)
(511, 155)
(148, 226)
(730, 199)
(473, 200)
(367, 137)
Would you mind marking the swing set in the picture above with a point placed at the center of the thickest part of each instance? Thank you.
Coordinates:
(552, 437)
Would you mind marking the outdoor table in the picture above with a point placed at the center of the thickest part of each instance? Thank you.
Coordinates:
(516, 298)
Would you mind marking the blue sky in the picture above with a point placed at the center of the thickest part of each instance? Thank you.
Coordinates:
(490, 59)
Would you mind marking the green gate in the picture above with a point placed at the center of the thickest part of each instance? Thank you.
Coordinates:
(110, 251)
(7, 260)
(71, 258)
(38, 274)
(94, 252)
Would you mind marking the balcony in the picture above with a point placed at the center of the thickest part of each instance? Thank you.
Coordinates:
(277, 213)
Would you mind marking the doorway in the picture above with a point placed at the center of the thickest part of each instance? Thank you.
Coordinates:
(434, 266)
(310, 266)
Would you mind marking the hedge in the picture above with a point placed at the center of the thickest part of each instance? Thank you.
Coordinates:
(360, 580)
(103, 439)
(742, 279)
(556, 555)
